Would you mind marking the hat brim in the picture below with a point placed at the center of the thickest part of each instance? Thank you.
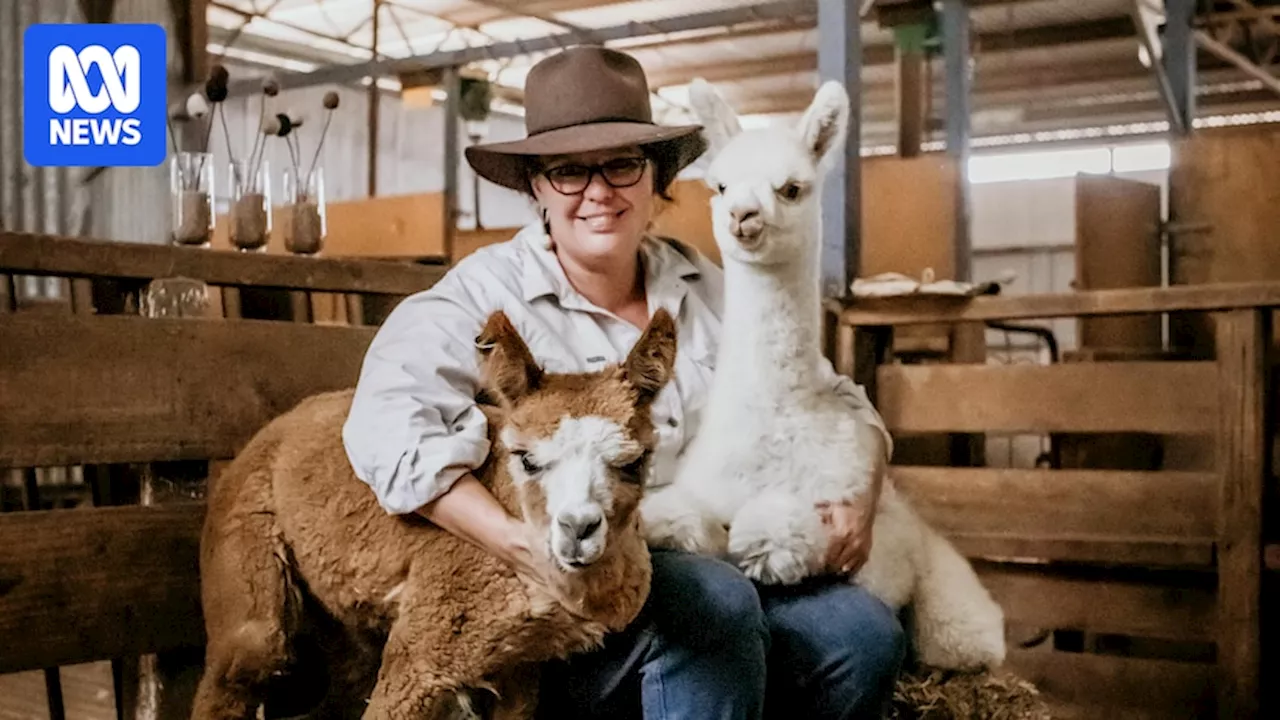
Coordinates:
(504, 163)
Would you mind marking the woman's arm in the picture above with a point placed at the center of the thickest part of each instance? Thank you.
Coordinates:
(414, 428)
(471, 512)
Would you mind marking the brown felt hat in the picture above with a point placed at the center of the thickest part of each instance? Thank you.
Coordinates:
(582, 99)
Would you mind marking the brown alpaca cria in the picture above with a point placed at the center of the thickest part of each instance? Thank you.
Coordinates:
(301, 568)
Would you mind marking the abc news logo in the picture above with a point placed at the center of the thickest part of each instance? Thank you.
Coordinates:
(95, 95)
(69, 89)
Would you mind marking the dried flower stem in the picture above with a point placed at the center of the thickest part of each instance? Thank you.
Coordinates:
(173, 133)
(289, 141)
(258, 139)
(225, 132)
(324, 131)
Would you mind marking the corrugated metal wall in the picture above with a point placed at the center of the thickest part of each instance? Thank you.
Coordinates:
(132, 204)
(31, 199)
(117, 203)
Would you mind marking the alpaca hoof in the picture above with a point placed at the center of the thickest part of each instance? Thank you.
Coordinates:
(691, 536)
(776, 567)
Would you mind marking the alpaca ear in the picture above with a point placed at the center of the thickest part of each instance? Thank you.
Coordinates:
(507, 368)
(719, 121)
(652, 359)
(826, 122)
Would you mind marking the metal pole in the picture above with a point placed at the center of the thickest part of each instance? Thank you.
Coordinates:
(375, 102)
(452, 155)
(955, 45)
(1179, 59)
(840, 58)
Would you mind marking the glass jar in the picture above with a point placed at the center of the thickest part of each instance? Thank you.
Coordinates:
(304, 211)
(191, 198)
(250, 193)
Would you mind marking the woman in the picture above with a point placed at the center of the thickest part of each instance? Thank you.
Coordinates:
(580, 286)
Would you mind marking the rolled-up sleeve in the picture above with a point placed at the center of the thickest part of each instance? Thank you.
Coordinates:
(414, 427)
(856, 396)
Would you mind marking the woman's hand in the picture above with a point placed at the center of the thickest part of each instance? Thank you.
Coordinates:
(516, 552)
(850, 523)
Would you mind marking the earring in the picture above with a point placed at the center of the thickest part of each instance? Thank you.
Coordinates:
(546, 228)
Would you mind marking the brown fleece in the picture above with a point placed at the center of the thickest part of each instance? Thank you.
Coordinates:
(402, 612)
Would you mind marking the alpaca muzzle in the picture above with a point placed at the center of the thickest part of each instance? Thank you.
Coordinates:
(578, 536)
(745, 225)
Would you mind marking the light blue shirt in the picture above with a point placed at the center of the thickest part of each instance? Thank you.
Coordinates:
(414, 427)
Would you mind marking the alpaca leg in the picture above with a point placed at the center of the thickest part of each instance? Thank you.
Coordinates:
(429, 671)
(414, 682)
(958, 625)
(891, 569)
(245, 588)
(517, 693)
(676, 519)
(777, 538)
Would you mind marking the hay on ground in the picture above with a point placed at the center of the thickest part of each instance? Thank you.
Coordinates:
(929, 694)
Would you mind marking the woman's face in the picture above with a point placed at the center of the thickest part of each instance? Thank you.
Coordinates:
(598, 204)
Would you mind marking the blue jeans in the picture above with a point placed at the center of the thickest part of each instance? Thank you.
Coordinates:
(711, 645)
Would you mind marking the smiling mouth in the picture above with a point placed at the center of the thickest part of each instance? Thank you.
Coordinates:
(602, 216)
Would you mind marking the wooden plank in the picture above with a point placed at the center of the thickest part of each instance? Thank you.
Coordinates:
(1226, 198)
(909, 215)
(1118, 245)
(1242, 340)
(1145, 604)
(1155, 397)
(1090, 303)
(1137, 551)
(1075, 504)
(82, 585)
(47, 255)
(113, 389)
(1101, 686)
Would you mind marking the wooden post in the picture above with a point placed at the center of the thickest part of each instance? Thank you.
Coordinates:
(1242, 342)
(8, 295)
(911, 85)
(355, 309)
(870, 347)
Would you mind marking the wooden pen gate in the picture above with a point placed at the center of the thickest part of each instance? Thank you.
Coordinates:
(1127, 594)
(136, 411)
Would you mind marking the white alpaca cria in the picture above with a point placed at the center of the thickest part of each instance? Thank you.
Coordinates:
(776, 438)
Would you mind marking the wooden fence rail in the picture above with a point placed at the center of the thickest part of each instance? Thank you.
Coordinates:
(1148, 584)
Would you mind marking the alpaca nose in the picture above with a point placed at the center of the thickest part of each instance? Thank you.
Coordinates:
(580, 525)
(745, 222)
(742, 214)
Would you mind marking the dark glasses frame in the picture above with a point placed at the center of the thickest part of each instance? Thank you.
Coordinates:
(618, 167)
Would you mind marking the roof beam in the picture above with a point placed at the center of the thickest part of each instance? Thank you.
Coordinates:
(735, 69)
(764, 12)
(492, 12)
(1049, 36)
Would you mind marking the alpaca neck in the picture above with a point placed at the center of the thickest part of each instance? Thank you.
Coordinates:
(772, 325)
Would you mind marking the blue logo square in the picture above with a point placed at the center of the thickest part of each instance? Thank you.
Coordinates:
(94, 95)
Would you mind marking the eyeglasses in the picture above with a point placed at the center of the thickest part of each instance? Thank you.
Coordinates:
(618, 173)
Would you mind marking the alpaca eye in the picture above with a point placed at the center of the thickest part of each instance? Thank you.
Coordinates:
(633, 472)
(791, 191)
(529, 466)
(720, 188)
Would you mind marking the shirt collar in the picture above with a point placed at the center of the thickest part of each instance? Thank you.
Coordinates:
(666, 266)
